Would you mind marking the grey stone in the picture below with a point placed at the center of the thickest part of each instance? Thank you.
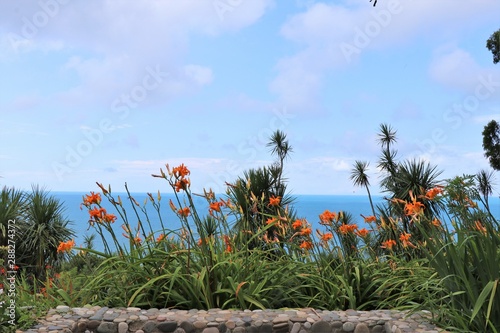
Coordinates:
(320, 327)
(239, 330)
(336, 324)
(295, 328)
(200, 324)
(54, 328)
(122, 327)
(298, 319)
(107, 327)
(378, 329)
(187, 326)
(149, 327)
(280, 325)
(211, 330)
(168, 326)
(266, 328)
(351, 313)
(99, 314)
(62, 308)
(361, 328)
(222, 328)
(348, 326)
(93, 324)
(252, 329)
(179, 330)
(110, 316)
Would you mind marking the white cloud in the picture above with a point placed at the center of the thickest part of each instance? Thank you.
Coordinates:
(334, 36)
(199, 74)
(123, 39)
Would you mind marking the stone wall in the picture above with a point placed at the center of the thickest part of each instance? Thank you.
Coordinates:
(128, 320)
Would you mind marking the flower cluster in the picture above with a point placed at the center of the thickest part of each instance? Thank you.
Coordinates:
(66, 246)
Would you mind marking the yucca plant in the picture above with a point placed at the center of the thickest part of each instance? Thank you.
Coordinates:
(468, 262)
(44, 226)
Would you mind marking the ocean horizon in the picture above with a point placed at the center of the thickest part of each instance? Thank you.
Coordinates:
(307, 206)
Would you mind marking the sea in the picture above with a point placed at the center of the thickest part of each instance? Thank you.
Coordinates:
(305, 206)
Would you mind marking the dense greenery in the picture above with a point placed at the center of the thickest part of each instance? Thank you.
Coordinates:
(432, 246)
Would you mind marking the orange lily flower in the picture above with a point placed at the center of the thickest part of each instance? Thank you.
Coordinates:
(388, 244)
(274, 201)
(327, 217)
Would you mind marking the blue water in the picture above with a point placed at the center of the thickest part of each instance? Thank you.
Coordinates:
(306, 206)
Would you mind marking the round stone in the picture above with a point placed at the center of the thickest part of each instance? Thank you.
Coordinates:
(168, 326)
(106, 327)
(200, 324)
(348, 326)
(361, 328)
(320, 327)
(62, 308)
(122, 327)
(93, 324)
(187, 326)
(211, 330)
(295, 328)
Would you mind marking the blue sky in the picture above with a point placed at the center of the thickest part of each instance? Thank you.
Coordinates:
(110, 91)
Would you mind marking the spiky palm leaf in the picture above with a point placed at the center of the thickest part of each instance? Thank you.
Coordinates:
(360, 178)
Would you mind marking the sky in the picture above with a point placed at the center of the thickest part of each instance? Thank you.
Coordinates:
(111, 91)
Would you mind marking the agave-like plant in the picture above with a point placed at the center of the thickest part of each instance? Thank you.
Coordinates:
(45, 227)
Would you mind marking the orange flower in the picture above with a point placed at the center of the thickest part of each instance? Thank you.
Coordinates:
(96, 213)
(92, 198)
(270, 220)
(181, 171)
(327, 217)
(405, 239)
(66, 246)
(160, 238)
(137, 240)
(109, 218)
(306, 231)
(413, 208)
(297, 224)
(388, 244)
(433, 192)
(306, 245)
(362, 232)
(274, 201)
(436, 223)
(326, 237)
(184, 212)
(370, 219)
(215, 206)
(344, 229)
(227, 241)
(479, 227)
(182, 184)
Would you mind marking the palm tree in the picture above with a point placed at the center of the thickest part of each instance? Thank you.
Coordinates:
(360, 178)
(279, 146)
(485, 186)
(252, 192)
(12, 205)
(387, 161)
(44, 229)
(387, 136)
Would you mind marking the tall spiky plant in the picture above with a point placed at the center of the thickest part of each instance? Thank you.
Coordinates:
(45, 228)
(360, 178)
(252, 192)
(485, 183)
